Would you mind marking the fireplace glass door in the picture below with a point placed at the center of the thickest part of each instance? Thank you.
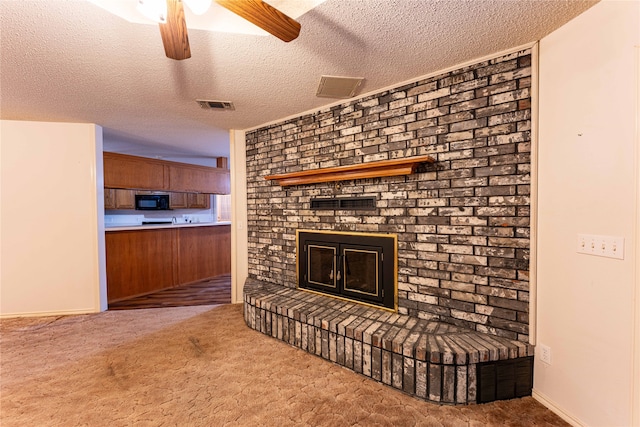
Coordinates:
(361, 269)
(349, 266)
(322, 266)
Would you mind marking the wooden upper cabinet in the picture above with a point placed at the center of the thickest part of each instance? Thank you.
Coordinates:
(198, 200)
(125, 199)
(199, 179)
(109, 198)
(123, 171)
(119, 199)
(178, 200)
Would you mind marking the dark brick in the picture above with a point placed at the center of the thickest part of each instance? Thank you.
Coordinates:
(462, 223)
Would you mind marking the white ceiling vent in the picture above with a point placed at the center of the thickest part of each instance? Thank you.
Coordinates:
(215, 105)
(338, 87)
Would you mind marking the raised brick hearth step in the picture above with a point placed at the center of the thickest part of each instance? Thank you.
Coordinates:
(432, 360)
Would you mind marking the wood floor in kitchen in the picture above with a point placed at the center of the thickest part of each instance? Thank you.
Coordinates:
(207, 292)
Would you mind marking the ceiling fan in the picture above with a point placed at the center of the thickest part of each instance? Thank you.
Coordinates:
(174, 29)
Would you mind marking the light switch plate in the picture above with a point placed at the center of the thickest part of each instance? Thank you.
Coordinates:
(544, 352)
(604, 246)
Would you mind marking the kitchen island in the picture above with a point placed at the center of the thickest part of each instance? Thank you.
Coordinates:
(146, 258)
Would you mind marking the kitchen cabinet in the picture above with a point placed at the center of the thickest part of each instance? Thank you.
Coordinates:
(145, 261)
(132, 172)
(178, 200)
(116, 198)
(125, 199)
(199, 179)
(109, 198)
(189, 200)
(203, 252)
(119, 199)
(141, 173)
(139, 262)
(198, 201)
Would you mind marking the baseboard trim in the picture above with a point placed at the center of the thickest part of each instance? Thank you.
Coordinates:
(50, 313)
(550, 404)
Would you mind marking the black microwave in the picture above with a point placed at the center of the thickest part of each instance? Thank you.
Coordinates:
(152, 202)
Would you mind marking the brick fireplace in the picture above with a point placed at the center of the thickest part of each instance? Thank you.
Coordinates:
(462, 223)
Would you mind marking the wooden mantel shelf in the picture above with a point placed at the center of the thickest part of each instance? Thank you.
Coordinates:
(360, 171)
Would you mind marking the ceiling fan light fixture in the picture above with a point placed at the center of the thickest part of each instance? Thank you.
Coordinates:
(155, 10)
(198, 7)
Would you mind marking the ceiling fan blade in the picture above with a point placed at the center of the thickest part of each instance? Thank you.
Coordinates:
(264, 16)
(174, 32)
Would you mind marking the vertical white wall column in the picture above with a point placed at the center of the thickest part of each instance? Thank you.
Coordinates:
(636, 335)
(239, 237)
(51, 219)
(587, 183)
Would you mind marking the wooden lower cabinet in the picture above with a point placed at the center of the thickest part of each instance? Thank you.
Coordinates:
(204, 252)
(144, 261)
(139, 262)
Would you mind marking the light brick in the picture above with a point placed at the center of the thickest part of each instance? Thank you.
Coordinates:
(462, 223)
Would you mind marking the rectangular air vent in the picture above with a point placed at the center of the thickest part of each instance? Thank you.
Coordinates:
(338, 87)
(344, 203)
(215, 105)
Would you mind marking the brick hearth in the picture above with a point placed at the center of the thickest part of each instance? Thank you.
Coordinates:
(431, 360)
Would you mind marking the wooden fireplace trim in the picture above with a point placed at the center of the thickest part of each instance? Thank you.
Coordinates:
(360, 171)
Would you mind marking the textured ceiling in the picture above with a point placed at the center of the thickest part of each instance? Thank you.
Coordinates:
(71, 61)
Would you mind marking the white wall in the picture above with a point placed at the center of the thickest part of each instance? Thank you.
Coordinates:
(51, 219)
(587, 184)
(239, 239)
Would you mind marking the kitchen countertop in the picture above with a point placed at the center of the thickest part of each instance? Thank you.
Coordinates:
(124, 227)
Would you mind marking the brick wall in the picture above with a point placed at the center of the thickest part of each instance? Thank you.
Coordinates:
(462, 223)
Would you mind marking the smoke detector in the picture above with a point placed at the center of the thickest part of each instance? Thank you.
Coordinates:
(215, 105)
(338, 87)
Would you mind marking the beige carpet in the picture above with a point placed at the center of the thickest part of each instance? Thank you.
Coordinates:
(201, 366)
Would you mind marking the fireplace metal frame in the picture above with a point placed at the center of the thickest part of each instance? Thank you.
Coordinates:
(393, 240)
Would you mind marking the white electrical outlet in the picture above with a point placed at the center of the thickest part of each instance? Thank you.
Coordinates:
(545, 353)
(605, 246)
